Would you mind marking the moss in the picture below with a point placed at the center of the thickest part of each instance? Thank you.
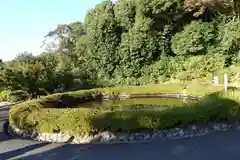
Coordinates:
(50, 113)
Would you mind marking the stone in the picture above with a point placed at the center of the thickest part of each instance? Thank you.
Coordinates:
(216, 126)
(203, 131)
(24, 135)
(123, 137)
(154, 135)
(176, 132)
(181, 132)
(64, 137)
(82, 140)
(76, 140)
(54, 137)
(147, 136)
(106, 136)
(85, 139)
(161, 134)
(113, 138)
(138, 137)
(131, 138)
(96, 138)
(225, 127)
(46, 137)
(41, 137)
(34, 135)
(58, 138)
(194, 127)
(18, 131)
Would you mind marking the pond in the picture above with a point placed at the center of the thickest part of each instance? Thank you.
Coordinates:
(136, 104)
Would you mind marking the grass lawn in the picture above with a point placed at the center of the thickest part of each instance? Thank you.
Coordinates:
(50, 114)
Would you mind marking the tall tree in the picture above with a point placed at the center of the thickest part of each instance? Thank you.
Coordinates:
(219, 5)
(103, 36)
(64, 37)
(125, 11)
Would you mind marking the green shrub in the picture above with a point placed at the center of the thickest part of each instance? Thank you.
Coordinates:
(47, 115)
(229, 37)
(195, 39)
(183, 68)
(12, 96)
(212, 108)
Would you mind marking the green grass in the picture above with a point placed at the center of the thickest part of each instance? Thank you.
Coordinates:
(48, 114)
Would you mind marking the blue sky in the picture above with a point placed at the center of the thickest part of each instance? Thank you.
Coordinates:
(24, 23)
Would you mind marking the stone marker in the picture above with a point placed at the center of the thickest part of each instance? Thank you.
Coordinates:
(225, 81)
(215, 78)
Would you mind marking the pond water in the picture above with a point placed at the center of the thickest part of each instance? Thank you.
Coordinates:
(136, 103)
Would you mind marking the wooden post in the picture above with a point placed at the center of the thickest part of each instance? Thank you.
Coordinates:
(225, 81)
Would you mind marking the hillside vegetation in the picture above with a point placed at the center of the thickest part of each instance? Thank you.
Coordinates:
(131, 42)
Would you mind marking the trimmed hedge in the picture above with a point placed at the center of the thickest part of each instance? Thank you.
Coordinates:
(12, 96)
(53, 113)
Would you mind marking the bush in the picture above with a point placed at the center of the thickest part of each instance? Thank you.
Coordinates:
(183, 68)
(12, 96)
(195, 39)
(45, 115)
(229, 37)
(212, 108)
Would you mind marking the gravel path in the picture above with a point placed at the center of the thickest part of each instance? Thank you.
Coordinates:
(214, 146)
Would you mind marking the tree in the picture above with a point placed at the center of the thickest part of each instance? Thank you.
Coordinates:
(131, 42)
(125, 12)
(195, 39)
(103, 36)
(229, 37)
(1, 63)
(64, 37)
(24, 57)
(27, 78)
(215, 5)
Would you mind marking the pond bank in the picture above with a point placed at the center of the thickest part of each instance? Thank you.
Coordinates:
(53, 118)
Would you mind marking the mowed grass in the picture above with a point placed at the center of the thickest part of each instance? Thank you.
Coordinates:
(48, 114)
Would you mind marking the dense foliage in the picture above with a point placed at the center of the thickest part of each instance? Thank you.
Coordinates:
(132, 42)
(44, 114)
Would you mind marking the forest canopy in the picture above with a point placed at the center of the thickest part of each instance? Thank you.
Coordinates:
(133, 42)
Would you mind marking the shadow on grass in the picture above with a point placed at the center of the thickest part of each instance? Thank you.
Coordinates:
(70, 101)
(211, 108)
